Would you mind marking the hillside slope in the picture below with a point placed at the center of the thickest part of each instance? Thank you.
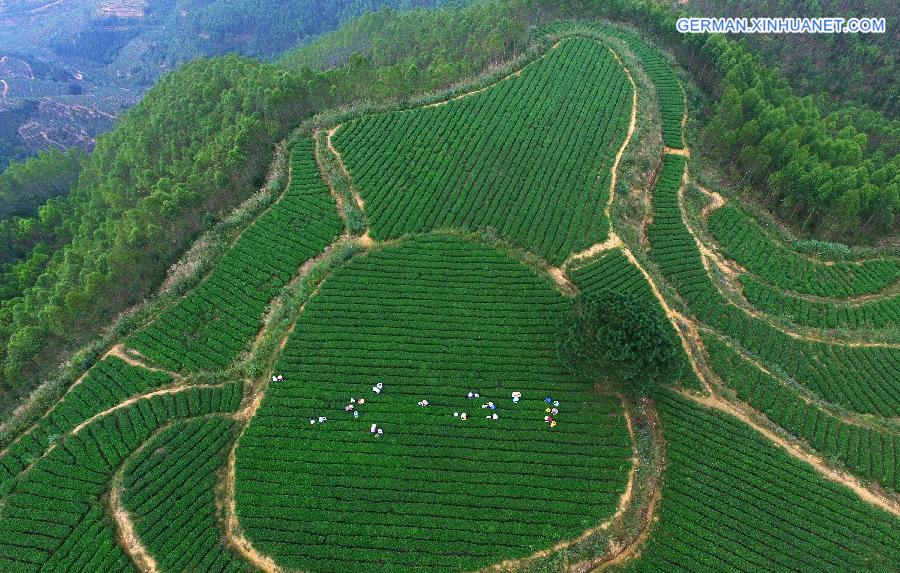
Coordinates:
(69, 69)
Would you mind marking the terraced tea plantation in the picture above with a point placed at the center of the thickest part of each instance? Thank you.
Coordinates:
(368, 379)
(529, 157)
(433, 319)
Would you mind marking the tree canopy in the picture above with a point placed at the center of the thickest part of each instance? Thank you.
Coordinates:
(616, 338)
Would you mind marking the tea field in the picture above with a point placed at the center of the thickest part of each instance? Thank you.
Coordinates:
(365, 376)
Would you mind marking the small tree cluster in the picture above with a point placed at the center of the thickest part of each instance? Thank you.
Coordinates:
(616, 338)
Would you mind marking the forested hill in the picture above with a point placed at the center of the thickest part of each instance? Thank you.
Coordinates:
(203, 138)
(68, 69)
(860, 68)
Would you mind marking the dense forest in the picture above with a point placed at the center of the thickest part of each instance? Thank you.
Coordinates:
(859, 68)
(201, 140)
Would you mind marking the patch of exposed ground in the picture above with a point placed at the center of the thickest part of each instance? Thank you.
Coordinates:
(715, 200)
(613, 242)
(562, 281)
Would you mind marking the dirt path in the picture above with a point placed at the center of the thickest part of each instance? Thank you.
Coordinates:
(613, 242)
(140, 362)
(808, 335)
(234, 534)
(276, 302)
(620, 554)
(328, 182)
(515, 74)
(125, 403)
(731, 267)
(225, 489)
(123, 526)
(116, 351)
(821, 467)
(632, 124)
(683, 151)
(715, 401)
(340, 161)
(675, 318)
(884, 294)
(127, 538)
(859, 420)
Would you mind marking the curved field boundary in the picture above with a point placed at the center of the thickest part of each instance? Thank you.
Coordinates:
(588, 535)
(213, 324)
(735, 501)
(744, 240)
(53, 515)
(802, 316)
(824, 469)
(670, 96)
(865, 448)
(167, 487)
(613, 239)
(847, 374)
(880, 311)
(493, 175)
(395, 379)
(107, 383)
(693, 345)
